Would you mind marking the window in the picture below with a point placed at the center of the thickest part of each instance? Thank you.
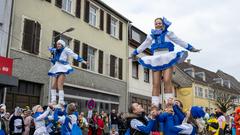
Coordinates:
(211, 94)
(114, 26)
(31, 36)
(190, 71)
(206, 93)
(65, 38)
(67, 5)
(93, 15)
(146, 75)
(136, 36)
(91, 58)
(135, 69)
(76, 50)
(200, 92)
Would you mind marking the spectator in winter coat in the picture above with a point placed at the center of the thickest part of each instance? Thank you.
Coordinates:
(16, 124)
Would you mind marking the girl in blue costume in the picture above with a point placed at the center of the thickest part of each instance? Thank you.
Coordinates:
(163, 58)
(69, 121)
(192, 124)
(60, 68)
(39, 119)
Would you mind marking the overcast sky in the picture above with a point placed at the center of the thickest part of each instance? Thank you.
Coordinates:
(211, 25)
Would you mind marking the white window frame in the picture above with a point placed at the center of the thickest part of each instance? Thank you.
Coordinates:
(93, 15)
(145, 74)
(114, 27)
(211, 94)
(135, 70)
(67, 5)
(199, 92)
(136, 36)
(91, 59)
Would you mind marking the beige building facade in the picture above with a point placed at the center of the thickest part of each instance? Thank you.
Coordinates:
(100, 36)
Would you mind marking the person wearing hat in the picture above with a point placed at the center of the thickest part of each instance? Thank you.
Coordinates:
(61, 68)
(164, 57)
(16, 124)
(39, 119)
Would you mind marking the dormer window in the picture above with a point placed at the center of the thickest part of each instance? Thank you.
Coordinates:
(218, 80)
(227, 83)
(190, 71)
(201, 75)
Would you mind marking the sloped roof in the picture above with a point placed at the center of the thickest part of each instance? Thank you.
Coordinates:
(209, 77)
(234, 82)
(181, 78)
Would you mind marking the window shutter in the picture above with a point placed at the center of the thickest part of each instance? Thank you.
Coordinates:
(76, 50)
(86, 13)
(85, 54)
(120, 68)
(28, 34)
(120, 30)
(108, 23)
(58, 3)
(78, 8)
(48, 1)
(100, 62)
(112, 65)
(37, 38)
(101, 19)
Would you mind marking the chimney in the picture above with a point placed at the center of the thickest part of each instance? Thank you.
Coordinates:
(189, 61)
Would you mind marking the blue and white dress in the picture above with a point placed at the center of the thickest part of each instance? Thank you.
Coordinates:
(162, 48)
(60, 61)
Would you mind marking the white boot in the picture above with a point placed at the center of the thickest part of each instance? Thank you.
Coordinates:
(155, 100)
(168, 96)
(53, 96)
(61, 97)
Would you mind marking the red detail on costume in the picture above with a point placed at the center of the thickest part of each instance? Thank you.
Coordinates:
(237, 120)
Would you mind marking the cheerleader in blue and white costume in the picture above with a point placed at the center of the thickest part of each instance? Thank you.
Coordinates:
(61, 68)
(69, 121)
(163, 58)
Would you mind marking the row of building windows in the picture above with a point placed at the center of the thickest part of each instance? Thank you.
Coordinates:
(31, 40)
(93, 15)
(207, 93)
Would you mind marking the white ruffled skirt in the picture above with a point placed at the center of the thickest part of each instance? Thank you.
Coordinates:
(163, 60)
(59, 68)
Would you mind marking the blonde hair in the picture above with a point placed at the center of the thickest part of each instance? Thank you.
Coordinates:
(163, 26)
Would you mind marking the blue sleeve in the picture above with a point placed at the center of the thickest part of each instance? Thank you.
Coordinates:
(52, 49)
(161, 119)
(178, 112)
(146, 129)
(189, 47)
(135, 52)
(127, 132)
(79, 59)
